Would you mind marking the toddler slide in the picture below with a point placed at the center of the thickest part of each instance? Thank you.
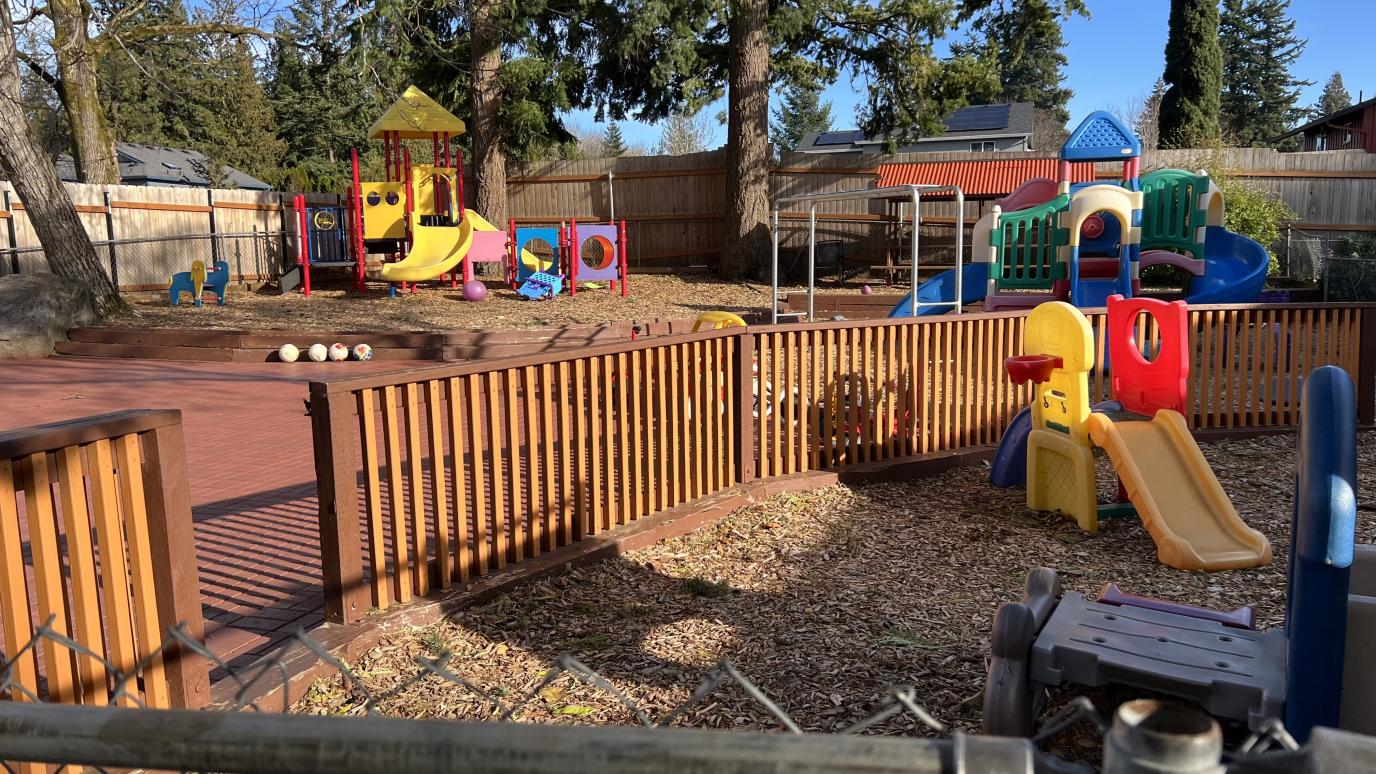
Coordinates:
(1177, 495)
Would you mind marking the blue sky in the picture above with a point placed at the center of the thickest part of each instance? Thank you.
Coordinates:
(1118, 53)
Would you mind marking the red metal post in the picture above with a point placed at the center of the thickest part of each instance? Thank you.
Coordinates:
(621, 256)
(302, 248)
(448, 161)
(356, 226)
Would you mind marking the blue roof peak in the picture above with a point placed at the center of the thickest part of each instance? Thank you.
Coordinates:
(1101, 137)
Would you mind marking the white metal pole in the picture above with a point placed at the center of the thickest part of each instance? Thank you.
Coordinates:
(774, 275)
(811, 262)
(611, 196)
(912, 301)
(960, 250)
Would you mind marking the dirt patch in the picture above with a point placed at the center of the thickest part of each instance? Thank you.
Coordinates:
(824, 600)
(333, 308)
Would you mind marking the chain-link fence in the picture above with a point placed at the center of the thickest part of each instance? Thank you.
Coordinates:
(147, 263)
(247, 734)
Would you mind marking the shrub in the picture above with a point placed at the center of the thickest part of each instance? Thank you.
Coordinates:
(1356, 247)
(1254, 213)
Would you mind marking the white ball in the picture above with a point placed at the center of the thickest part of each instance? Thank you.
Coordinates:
(363, 352)
(317, 352)
(288, 353)
(338, 351)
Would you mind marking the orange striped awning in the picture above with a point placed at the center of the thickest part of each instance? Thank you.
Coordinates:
(985, 179)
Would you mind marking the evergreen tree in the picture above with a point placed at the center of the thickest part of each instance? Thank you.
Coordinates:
(1194, 74)
(801, 112)
(1333, 98)
(328, 77)
(654, 57)
(235, 124)
(1260, 97)
(612, 144)
(149, 87)
(1024, 37)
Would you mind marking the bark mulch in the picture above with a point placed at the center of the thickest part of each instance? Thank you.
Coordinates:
(824, 600)
(333, 308)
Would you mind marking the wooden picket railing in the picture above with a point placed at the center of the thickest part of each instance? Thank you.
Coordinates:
(841, 393)
(96, 535)
(434, 476)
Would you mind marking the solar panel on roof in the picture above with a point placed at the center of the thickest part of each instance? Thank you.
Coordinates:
(978, 118)
(839, 138)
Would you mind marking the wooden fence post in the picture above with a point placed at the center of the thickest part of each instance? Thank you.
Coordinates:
(12, 231)
(745, 407)
(1366, 368)
(173, 541)
(336, 484)
(110, 237)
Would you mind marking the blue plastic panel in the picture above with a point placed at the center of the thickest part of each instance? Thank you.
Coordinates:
(1101, 137)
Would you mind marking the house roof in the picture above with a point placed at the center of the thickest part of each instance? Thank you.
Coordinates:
(415, 116)
(984, 179)
(1336, 115)
(1005, 119)
(156, 165)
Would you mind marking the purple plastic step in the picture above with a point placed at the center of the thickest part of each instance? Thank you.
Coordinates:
(1241, 618)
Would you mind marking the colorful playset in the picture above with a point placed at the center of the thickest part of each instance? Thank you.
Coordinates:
(1160, 468)
(416, 217)
(1054, 240)
(1214, 657)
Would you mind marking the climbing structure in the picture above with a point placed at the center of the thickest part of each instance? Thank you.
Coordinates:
(1055, 240)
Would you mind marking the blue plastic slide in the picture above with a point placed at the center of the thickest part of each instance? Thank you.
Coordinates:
(942, 287)
(1234, 269)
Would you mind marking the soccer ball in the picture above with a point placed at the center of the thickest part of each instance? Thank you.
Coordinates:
(288, 353)
(339, 352)
(363, 352)
(318, 353)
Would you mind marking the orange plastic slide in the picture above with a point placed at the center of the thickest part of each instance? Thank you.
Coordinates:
(1180, 501)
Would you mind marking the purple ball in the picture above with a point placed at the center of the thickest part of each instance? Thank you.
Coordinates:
(474, 290)
(865, 290)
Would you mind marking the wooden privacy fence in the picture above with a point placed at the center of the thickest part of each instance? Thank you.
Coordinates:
(433, 476)
(96, 535)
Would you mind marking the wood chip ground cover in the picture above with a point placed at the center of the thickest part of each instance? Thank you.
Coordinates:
(333, 308)
(823, 599)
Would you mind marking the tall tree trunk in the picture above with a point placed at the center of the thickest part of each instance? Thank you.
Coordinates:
(96, 161)
(45, 199)
(747, 137)
(489, 157)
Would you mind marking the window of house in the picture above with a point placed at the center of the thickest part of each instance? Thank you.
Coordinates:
(982, 147)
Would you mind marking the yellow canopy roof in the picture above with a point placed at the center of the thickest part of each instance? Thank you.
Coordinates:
(415, 116)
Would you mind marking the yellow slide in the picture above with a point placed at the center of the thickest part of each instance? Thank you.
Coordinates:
(434, 251)
(1180, 501)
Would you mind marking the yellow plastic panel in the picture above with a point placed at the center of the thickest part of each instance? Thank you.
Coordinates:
(1062, 403)
(1060, 477)
(383, 219)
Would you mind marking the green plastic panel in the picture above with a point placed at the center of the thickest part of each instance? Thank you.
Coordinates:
(1027, 245)
(1171, 216)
